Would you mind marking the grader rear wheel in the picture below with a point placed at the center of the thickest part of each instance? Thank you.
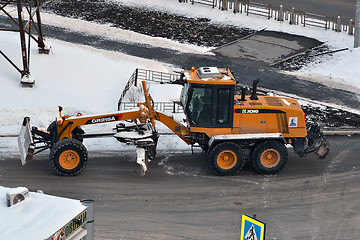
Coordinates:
(269, 157)
(226, 158)
(68, 157)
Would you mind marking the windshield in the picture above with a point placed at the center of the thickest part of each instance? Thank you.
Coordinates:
(184, 95)
(199, 106)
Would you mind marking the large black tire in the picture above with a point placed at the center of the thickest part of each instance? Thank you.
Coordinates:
(205, 148)
(68, 157)
(269, 157)
(77, 134)
(226, 158)
(52, 129)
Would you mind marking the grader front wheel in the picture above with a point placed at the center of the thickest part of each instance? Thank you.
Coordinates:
(226, 158)
(68, 157)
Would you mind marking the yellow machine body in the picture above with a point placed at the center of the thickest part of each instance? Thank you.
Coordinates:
(222, 123)
(266, 115)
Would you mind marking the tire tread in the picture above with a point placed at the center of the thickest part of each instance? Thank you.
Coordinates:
(64, 143)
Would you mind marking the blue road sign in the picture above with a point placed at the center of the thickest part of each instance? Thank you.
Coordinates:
(252, 229)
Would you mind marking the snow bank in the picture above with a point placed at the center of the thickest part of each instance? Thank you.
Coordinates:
(338, 71)
(114, 33)
(242, 20)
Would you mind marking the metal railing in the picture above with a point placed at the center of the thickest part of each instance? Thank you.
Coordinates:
(293, 16)
(147, 75)
(173, 107)
(155, 76)
(315, 20)
(259, 9)
(205, 2)
(131, 82)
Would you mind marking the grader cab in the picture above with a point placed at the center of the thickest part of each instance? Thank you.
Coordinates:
(230, 128)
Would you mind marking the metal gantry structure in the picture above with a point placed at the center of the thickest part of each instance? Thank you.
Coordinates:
(357, 25)
(27, 22)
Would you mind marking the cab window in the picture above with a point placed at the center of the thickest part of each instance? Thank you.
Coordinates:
(200, 107)
(223, 106)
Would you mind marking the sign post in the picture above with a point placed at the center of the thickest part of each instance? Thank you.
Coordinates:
(252, 229)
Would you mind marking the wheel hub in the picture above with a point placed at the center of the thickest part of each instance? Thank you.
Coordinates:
(270, 158)
(69, 159)
(226, 159)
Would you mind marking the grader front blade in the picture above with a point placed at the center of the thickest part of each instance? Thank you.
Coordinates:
(25, 141)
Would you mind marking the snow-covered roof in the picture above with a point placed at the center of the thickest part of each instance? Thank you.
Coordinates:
(37, 217)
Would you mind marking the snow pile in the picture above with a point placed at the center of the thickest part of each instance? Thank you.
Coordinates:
(339, 70)
(37, 217)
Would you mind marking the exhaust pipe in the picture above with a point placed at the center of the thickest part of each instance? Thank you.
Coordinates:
(243, 92)
(254, 89)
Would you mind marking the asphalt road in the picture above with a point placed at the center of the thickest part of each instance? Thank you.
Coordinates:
(180, 198)
(329, 8)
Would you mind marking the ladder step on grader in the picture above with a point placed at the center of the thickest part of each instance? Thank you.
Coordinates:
(229, 128)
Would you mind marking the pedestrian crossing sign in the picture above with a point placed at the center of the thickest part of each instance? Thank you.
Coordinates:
(252, 229)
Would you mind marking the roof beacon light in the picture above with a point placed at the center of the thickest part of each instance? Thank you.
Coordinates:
(192, 69)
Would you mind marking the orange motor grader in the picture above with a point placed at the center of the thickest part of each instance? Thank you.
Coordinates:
(228, 127)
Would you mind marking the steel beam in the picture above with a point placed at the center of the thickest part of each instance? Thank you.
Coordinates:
(32, 9)
(357, 25)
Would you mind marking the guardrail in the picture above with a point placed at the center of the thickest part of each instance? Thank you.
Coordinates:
(204, 2)
(173, 107)
(259, 9)
(293, 16)
(147, 75)
(155, 76)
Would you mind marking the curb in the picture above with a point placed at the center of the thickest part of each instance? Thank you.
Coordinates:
(341, 133)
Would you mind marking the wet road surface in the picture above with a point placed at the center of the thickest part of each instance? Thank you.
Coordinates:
(180, 198)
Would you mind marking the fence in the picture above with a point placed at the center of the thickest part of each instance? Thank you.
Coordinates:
(147, 75)
(155, 76)
(293, 16)
(259, 9)
(205, 2)
(174, 107)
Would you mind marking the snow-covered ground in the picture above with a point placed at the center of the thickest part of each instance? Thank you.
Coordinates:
(79, 78)
(337, 70)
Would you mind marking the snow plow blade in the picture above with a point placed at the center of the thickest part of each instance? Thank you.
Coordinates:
(144, 137)
(25, 141)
